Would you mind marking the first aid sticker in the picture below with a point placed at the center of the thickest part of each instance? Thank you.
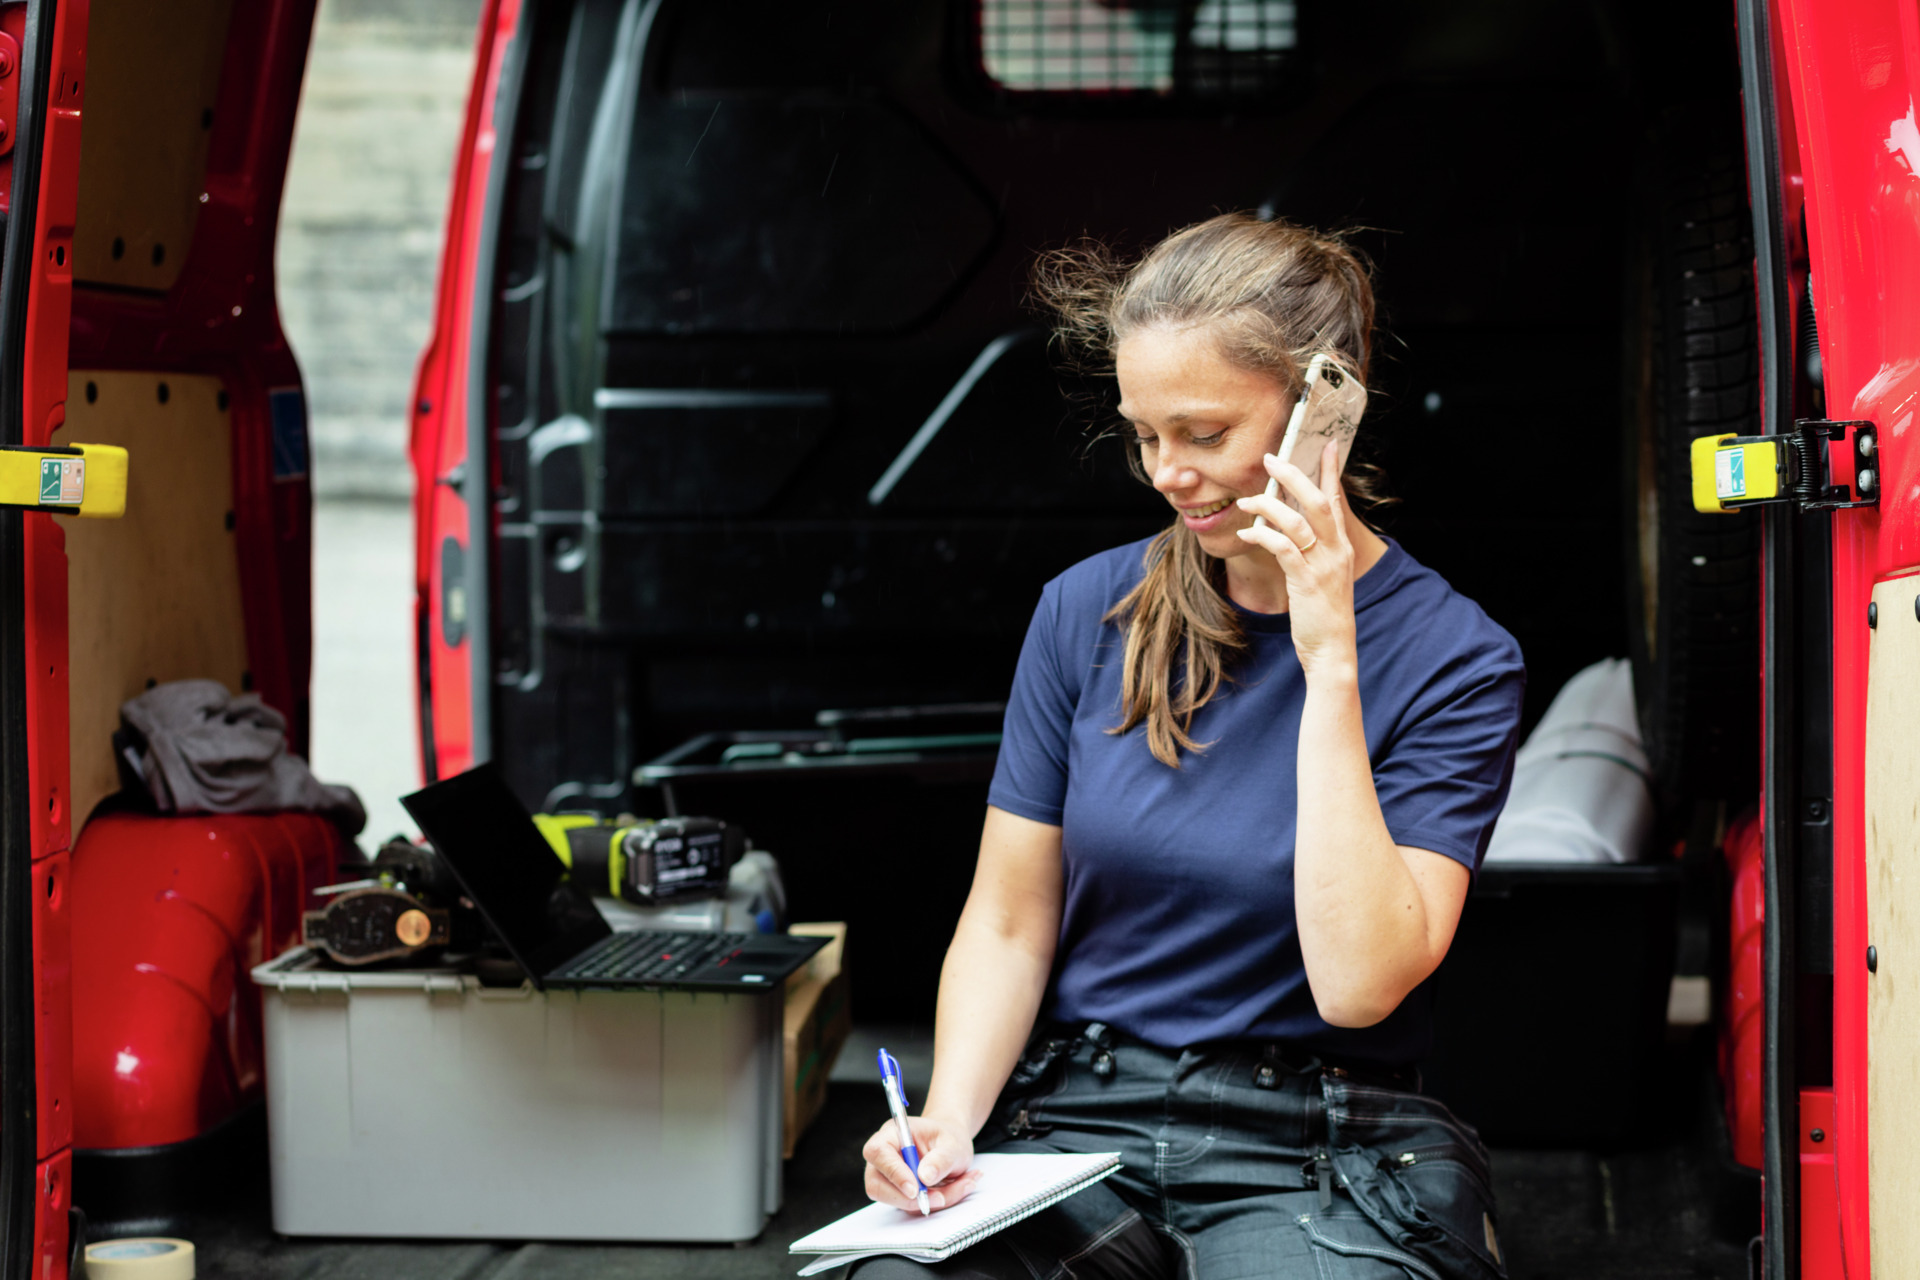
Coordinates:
(1729, 473)
(63, 481)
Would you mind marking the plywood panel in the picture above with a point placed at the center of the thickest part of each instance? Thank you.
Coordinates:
(1893, 927)
(153, 72)
(155, 595)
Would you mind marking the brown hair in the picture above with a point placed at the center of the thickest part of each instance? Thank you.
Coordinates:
(1273, 294)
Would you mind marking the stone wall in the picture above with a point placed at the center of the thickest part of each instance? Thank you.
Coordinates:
(360, 231)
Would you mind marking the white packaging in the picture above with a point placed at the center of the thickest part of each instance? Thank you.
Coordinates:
(756, 902)
(1580, 791)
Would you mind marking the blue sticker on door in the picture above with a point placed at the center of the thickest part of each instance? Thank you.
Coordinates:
(288, 409)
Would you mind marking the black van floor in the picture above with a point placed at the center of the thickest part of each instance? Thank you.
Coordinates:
(1565, 1215)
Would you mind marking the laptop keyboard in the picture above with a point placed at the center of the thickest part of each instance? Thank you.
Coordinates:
(654, 955)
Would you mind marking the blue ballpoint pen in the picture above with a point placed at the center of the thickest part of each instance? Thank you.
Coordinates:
(897, 1103)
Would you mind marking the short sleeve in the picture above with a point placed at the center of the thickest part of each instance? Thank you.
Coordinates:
(1444, 779)
(1030, 779)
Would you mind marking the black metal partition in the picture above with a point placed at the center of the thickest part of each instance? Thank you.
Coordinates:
(776, 431)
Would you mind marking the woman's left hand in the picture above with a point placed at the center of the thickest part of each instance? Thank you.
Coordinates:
(1316, 553)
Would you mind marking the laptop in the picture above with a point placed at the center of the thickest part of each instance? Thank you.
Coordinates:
(553, 931)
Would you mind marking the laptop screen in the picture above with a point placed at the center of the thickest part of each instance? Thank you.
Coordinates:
(488, 839)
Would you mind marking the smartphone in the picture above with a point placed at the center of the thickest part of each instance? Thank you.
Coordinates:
(1329, 408)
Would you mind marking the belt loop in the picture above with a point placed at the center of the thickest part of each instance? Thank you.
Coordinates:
(1322, 1159)
(1098, 1036)
(1267, 1074)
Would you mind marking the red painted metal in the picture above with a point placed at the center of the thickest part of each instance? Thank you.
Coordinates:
(170, 914)
(9, 86)
(1743, 1004)
(1854, 68)
(43, 407)
(53, 1011)
(13, 23)
(54, 1180)
(440, 411)
(1820, 1256)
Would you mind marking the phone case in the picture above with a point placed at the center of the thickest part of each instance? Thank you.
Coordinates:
(1335, 404)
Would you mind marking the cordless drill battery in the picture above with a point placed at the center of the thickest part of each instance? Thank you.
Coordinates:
(649, 862)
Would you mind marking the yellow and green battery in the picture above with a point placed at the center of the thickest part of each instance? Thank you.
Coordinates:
(645, 861)
(591, 848)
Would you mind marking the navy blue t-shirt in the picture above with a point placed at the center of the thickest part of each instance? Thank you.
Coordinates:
(1178, 925)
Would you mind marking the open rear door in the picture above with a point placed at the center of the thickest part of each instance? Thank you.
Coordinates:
(42, 53)
(453, 396)
(1852, 69)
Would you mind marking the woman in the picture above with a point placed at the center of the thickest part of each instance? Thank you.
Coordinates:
(1246, 777)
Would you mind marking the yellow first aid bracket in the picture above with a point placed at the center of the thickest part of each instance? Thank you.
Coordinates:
(1730, 472)
(70, 480)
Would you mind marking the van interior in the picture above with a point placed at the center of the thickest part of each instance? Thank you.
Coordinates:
(780, 455)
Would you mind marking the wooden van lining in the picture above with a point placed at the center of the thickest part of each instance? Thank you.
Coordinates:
(1893, 927)
(155, 595)
(153, 71)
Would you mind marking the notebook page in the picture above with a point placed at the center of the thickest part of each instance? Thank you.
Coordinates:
(1008, 1181)
(833, 1261)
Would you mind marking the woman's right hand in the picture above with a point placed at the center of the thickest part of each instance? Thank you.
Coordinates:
(946, 1160)
(990, 990)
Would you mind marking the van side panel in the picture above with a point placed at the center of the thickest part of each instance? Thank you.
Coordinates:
(49, 201)
(1853, 66)
(1892, 902)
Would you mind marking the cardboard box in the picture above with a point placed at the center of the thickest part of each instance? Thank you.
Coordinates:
(819, 1016)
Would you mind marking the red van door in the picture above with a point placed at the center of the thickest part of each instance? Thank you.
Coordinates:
(41, 83)
(452, 462)
(42, 62)
(1850, 73)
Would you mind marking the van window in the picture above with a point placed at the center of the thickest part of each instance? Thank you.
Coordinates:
(1217, 49)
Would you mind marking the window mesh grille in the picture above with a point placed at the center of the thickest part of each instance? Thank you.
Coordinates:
(1245, 26)
(1212, 49)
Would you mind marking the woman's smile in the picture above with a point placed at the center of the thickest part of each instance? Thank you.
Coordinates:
(1210, 516)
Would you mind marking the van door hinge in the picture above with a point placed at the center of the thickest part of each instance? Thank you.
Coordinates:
(1731, 472)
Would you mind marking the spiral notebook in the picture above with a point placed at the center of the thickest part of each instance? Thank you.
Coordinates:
(1012, 1186)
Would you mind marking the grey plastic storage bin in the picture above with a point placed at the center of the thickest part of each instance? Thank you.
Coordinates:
(420, 1103)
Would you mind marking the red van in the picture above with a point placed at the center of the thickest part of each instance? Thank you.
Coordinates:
(733, 420)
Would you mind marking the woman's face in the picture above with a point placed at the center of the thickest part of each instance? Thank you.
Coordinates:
(1202, 425)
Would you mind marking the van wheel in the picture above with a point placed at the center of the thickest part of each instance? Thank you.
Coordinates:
(1694, 366)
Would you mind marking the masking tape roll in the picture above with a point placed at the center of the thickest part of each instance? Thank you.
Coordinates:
(142, 1258)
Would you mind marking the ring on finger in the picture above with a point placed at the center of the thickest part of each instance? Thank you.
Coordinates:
(1311, 545)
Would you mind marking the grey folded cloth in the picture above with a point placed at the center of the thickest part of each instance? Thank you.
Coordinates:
(199, 749)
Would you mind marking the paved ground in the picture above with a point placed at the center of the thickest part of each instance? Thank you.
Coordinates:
(359, 246)
(363, 709)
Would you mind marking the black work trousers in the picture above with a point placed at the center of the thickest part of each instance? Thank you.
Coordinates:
(1238, 1162)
